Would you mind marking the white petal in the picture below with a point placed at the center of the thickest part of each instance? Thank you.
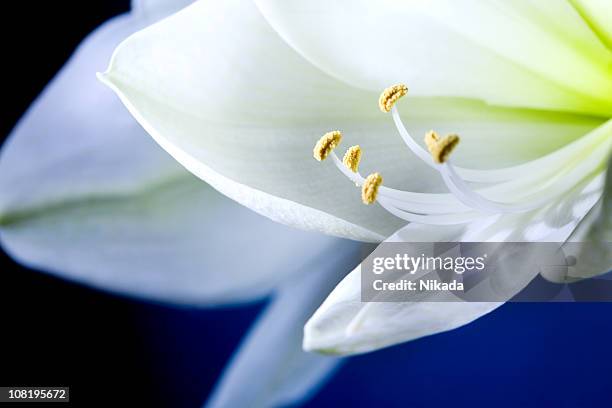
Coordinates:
(518, 53)
(384, 324)
(153, 10)
(64, 132)
(590, 241)
(270, 367)
(227, 98)
(181, 242)
(87, 195)
(377, 324)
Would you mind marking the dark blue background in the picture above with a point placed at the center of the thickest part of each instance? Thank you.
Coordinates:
(57, 333)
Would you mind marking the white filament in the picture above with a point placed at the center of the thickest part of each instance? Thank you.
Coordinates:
(457, 185)
(535, 183)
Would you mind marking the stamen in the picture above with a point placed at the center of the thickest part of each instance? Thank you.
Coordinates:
(405, 200)
(369, 190)
(391, 95)
(352, 157)
(440, 149)
(463, 204)
(326, 144)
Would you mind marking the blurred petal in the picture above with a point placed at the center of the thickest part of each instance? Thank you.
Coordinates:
(345, 325)
(156, 9)
(270, 368)
(180, 242)
(516, 53)
(227, 98)
(75, 140)
(87, 195)
(598, 14)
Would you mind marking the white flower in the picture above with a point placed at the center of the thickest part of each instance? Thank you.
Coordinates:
(85, 194)
(238, 93)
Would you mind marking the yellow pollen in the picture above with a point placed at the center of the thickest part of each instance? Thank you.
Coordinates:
(326, 144)
(352, 157)
(390, 96)
(369, 190)
(440, 148)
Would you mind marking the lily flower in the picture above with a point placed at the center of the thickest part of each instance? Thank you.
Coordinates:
(86, 195)
(238, 92)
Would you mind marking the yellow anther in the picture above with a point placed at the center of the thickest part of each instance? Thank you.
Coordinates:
(431, 139)
(390, 96)
(326, 144)
(369, 190)
(352, 157)
(440, 149)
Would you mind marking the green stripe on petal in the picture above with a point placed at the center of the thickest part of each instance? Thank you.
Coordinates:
(516, 53)
(598, 14)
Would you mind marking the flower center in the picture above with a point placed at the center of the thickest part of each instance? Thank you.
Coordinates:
(532, 185)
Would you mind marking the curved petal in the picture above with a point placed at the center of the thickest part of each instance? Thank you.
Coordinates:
(517, 53)
(270, 367)
(345, 325)
(384, 324)
(87, 195)
(227, 98)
